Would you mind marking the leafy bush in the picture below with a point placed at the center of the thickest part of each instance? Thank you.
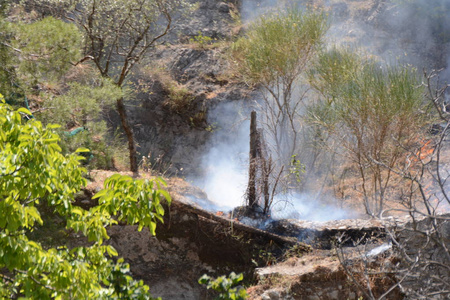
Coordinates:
(275, 54)
(179, 97)
(80, 111)
(375, 111)
(225, 286)
(279, 46)
(202, 41)
(33, 170)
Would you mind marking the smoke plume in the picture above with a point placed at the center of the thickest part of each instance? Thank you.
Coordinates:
(224, 165)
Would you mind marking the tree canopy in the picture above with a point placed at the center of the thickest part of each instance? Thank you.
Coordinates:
(117, 35)
(375, 111)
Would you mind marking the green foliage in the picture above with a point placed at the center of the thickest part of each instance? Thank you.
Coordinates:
(104, 150)
(47, 48)
(275, 53)
(297, 168)
(362, 93)
(117, 32)
(179, 97)
(82, 106)
(333, 70)
(375, 111)
(7, 71)
(225, 286)
(202, 41)
(33, 170)
(267, 257)
(44, 50)
(279, 46)
(298, 250)
(117, 35)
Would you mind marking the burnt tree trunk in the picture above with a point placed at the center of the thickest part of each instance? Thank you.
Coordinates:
(130, 136)
(251, 193)
(267, 167)
(268, 236)
(260, 168)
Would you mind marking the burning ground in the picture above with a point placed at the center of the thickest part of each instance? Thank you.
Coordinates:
(283, 259)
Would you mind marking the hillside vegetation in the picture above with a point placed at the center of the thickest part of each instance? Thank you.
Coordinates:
(343, 119)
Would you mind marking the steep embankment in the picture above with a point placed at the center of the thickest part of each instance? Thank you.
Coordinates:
(192, 242)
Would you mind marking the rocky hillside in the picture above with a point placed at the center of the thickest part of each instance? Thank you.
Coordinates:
(189, 75)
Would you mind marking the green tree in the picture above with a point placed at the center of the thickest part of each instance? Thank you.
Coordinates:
(375, 111)
(117, 35)
(80, 111)
(42, 54)
(274, 53)
(46, 49)
(33, 171)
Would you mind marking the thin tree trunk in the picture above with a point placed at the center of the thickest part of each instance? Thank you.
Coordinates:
(130, 136)
(267, 168)
(251, 193)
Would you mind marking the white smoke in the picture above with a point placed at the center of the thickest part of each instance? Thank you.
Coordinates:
(225, 164)
(415, 32)
(226, 178)
(252, 9)
(307, 206)
(225, 172)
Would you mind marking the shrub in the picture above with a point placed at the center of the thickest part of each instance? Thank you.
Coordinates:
(225, 286)
(375, 111)
(33, 170)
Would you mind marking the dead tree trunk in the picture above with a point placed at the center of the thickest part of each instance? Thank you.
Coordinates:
(260, 168)
(251, 193)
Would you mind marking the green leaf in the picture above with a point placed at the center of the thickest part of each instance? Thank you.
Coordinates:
(166, 195)
(204, 279)
(52, 140)
(32, 211)
(152, 228)
(160, 210)
(100, 194)
(24, 111)
(111, 251)
(53, 126)
(77, 211)
(82, 150)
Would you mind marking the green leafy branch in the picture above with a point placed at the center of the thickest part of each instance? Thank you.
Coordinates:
(33, 170)
(226, 286)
